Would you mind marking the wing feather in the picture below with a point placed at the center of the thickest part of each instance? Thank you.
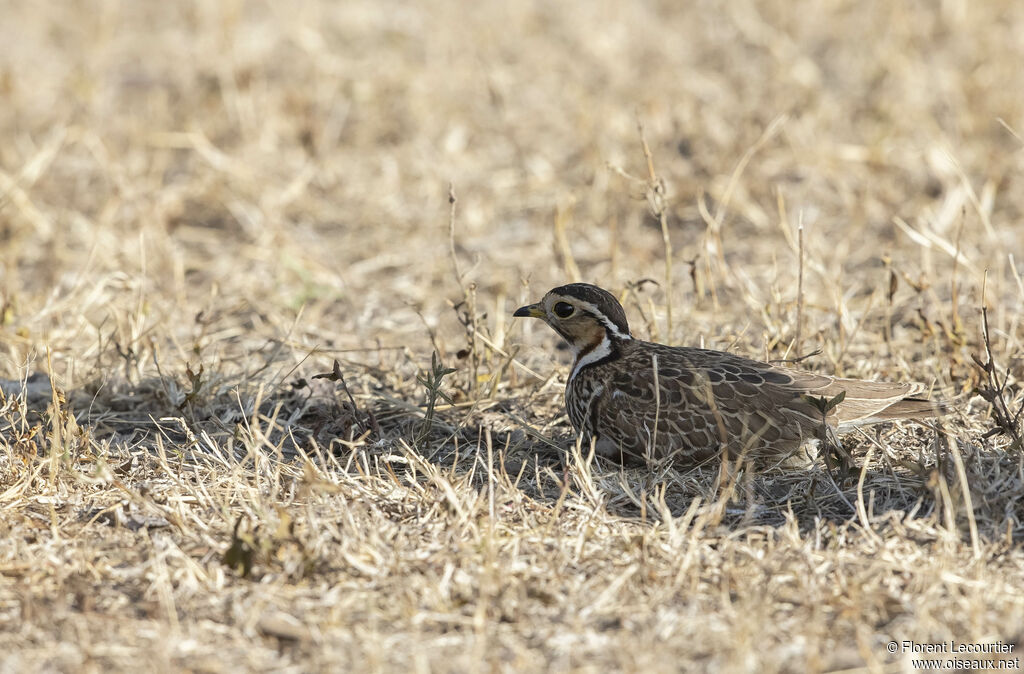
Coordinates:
(707, 401)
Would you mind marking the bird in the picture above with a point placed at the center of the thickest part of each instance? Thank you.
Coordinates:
(638, 401)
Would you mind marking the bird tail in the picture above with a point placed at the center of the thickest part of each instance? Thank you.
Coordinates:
(905, 408)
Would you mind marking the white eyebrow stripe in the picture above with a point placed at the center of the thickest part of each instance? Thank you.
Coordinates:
(605, 321)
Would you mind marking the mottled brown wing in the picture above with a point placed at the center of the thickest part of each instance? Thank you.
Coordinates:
(866, 402)
(784, 391)
(706, 401)
(630, 412)
(710, 400)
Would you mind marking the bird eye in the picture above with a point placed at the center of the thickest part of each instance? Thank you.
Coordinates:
(564, 309)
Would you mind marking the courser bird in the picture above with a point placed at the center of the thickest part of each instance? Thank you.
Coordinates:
(640, 400)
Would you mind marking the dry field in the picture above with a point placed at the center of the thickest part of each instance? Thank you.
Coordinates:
(204, 205)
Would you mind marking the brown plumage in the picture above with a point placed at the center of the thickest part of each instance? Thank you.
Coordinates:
(645, 400)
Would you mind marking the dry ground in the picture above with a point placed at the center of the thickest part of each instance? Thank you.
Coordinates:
(204, 204)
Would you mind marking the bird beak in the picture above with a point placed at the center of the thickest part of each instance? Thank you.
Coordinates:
(530, 311)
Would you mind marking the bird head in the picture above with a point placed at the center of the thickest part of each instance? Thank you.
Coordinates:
(583, 314)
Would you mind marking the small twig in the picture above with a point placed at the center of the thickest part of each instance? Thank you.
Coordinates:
(467, 316)
(572, 270)
(657, 408)
(432, 381)
(336, 375)
(1009, 129)
(797, 359)
(734, 179)
(836, 457)
(632, 289)
(955, 325)
(993, 390)
(800, 285)
(469, 320)
(961, 473)
(656, 202)
(839, 492)
(451, 234)
(890, 294)
(862, 513)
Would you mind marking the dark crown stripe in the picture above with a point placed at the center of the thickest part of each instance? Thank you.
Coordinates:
(609, 310)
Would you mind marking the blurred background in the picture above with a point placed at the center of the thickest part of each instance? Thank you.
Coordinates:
(188, 176)
(204, 203)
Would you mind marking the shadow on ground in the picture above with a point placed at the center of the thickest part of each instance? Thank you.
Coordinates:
(911, 471)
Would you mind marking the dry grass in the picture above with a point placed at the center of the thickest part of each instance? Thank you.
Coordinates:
(202, 205)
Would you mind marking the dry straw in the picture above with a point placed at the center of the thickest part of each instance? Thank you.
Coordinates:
(203, 206)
